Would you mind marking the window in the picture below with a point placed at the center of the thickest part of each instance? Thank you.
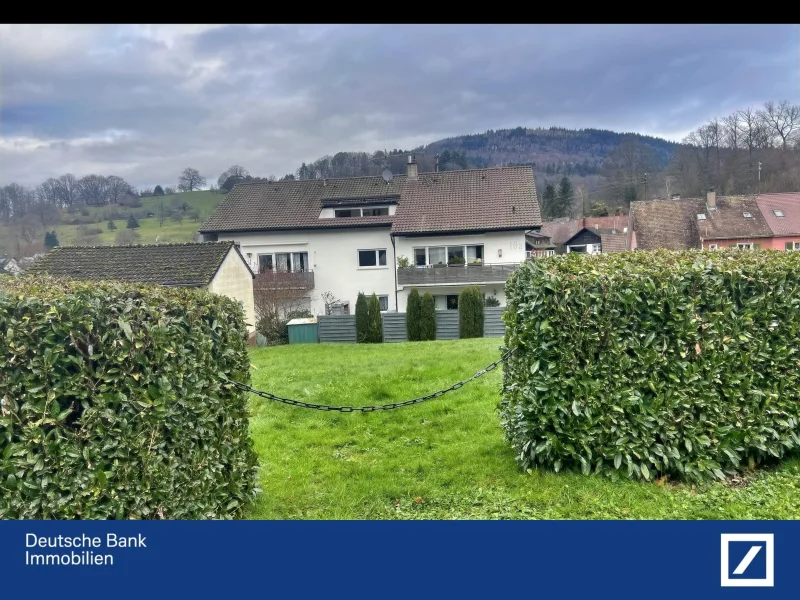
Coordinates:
(455, 252)
(712, 246)
(701, 217)
(372, 258)
(747, 215)
(745, 246)
(475, 253)
(790, 246)
(346, 212)
(376, 212)
(778, 212)
(436, 255)
(283, 262)
(384, 300)
(420, 259)
(452, 301)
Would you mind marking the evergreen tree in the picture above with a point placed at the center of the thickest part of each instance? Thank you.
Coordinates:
(564, 198)
(548, 199)
(470, 313)
(133, 223)
(375, 320)
(111, 225)
(362, 318)
(158, 191)
(50, 240)
(599, 209)
(630, 194)
(413, 315)
(427, 317)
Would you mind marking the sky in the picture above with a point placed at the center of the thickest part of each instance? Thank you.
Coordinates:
(145, 101)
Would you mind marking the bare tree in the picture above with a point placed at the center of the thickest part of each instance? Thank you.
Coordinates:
(277, 301)
(161, 213)
(233, 171)
(329, 299)
(731, 129)
(48, 214)
(48, 192)
(781, 120)
(29, 228)
(190, 180)
(753, 132)
(169, 190)
(118, 188)
(68, 189)
(127, 237)
(93, 190)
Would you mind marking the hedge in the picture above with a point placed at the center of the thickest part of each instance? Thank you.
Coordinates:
(413, 315)
(654, 363)
(427, 317)
(374, 320)
(470, 313)
(113, 405)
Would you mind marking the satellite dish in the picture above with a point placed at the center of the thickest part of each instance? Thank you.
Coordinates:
(387, 175)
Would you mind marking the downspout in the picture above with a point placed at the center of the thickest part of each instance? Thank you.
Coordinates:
(394, 256)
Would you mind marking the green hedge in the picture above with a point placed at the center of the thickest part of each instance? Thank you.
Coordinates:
(470, 313)
(362, 318)
(413, 315)
(651, 363)
(427, 317)
(375, 321)
(113, 407)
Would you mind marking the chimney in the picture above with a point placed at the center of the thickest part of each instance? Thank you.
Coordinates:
(711, 199)
(412, 168)
(324, 182)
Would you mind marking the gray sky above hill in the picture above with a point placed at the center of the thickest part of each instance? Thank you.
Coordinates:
(143, 102)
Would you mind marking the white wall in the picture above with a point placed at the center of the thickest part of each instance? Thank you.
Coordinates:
(333, 256)
(234, 280)
(511, 243)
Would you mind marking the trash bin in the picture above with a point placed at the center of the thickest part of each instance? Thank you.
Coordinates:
(303, 331)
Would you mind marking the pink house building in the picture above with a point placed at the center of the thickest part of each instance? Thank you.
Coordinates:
(782, 214)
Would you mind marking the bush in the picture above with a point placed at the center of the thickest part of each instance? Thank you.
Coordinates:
(456, 260)
(111, 225)
(158, 191)
(375, 321)
(652, 363)
(112, 403)
(362, 318)
(427, 318)
(413, 315)
(492, 301)
(470, 313)
(133, 222)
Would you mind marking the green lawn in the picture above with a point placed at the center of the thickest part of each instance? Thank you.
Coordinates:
(446, 458)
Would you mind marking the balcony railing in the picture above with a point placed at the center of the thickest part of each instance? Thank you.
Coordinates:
(539, 253)
(438, 275)
(288, 280)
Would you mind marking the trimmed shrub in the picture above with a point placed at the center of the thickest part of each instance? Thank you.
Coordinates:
(374, 320)
(491, 301)
(112, 406)
(653, 363)
(413, 315)
(362, 318)
(427, 317)
(470, 313)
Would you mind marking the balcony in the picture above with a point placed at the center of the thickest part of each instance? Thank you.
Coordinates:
(444, 275)
(544, 253)
(286, 280)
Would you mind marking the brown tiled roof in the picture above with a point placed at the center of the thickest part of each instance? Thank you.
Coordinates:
(479, 199)
(673, 224)
(183, 265)
(789, 204)
(612, 240)
(560, 230)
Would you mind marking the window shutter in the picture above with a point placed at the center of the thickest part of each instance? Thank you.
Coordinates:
(788, 246)
(756, 246)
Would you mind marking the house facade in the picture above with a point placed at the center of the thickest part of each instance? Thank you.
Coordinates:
(596, 240)
(333, 238)
(216, 267)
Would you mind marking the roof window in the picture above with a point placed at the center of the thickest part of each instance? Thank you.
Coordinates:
(778, 212)
(747, 215)
(701, 217)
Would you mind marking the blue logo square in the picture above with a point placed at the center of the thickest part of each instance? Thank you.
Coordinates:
(755, 566)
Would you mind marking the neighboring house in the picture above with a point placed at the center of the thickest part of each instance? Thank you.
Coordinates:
(782, 213)
(9, 266)
(216, 267)
(538, 245)
(702, 223)
(594, 240)
(561, 230)
(339, 237)
(26, 262)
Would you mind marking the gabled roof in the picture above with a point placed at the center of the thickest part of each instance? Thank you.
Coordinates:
(674, 224)
(560, 230)
(478, 199)
(173, 265)
(611, 239)
(789, 205)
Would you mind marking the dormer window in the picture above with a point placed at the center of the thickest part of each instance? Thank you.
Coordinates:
(747, 215)
(369, 211)
(701, 217)
(778, 212)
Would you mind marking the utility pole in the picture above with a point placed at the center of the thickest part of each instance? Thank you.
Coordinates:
(758, 187)
(645, 186)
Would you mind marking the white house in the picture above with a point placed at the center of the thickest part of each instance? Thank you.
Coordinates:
(345, 236)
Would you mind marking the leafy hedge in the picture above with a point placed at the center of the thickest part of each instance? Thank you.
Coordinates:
(470, 313)
(112, 407)
(651, 363)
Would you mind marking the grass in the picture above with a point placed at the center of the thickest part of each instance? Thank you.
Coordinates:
(446, 458)
(150, 230)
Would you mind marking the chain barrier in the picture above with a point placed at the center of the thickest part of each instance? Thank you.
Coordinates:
(390, 406)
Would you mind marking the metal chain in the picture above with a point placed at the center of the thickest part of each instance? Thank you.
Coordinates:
(392, 405)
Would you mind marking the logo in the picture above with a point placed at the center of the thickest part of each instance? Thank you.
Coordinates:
(748, 559)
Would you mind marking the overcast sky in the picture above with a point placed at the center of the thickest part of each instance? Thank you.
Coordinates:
(143, 102)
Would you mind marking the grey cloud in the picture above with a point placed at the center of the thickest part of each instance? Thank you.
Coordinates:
(271, 97)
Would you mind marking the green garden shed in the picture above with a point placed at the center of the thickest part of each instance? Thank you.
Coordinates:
(303, 331)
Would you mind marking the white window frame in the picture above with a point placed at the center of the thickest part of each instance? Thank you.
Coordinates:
(378, 264)
(712, 247)
(744, 245)
(779, 214)
(795, 247)
(360, 211)
(446, 247)
(275, 262)
(387, 301)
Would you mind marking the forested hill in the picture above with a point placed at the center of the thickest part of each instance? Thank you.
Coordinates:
(550, 151)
